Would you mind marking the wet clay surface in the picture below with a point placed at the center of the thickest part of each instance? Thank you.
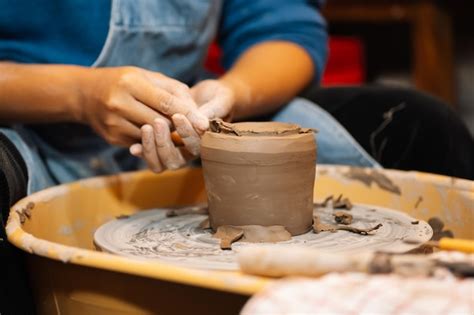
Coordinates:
(251, 167)
(257, 129)
(180, 240)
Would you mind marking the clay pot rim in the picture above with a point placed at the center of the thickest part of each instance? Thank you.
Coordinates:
(267, 129)
(251, 137)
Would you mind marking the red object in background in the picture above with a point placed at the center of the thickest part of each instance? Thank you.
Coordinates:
(346, 63)
(213, 60)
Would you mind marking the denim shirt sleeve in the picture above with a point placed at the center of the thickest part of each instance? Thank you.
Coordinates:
(245, 23)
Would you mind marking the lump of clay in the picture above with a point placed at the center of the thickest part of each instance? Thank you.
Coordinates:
(251, 233)
(227, 235)
(259, 174)
(342, 217)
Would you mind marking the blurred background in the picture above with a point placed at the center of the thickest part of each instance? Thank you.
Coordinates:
(422, 44)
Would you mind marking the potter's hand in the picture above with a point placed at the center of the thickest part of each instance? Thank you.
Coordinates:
(214, 99)
(158, 149)
(118, 101)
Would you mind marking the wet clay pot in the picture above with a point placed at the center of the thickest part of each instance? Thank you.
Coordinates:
(259, 173)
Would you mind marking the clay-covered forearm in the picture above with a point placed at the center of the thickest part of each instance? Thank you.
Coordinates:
(40, 93)
(267, 76)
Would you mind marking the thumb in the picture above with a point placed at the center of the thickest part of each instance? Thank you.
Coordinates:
(218, 107)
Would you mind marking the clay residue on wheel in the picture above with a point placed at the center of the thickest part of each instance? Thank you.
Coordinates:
(368, 177)
(196, 209)
(319, 227)
(229, 234)
(205, 224)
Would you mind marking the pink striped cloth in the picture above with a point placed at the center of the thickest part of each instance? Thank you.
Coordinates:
(356, 293)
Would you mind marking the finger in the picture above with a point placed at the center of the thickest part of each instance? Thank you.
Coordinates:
(186, 155)
(172, 86)
(136, 149)
(140, 114)
(149, 149)
(188, 135)
(218, 107)
(118, 131)
(121, 141)
(130, 130)
(167, 103)
(167, 152)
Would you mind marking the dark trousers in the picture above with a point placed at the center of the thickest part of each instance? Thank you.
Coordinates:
(402, 128)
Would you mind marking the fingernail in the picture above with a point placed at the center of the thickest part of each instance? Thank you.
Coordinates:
(135, 149)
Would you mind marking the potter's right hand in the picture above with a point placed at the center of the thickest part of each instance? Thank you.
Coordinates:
(119, 101)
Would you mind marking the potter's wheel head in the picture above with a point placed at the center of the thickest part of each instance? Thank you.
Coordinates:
(151, 235)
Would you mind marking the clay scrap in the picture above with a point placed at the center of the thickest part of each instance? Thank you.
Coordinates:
(319, 227)
(229, 234)
(438, 229)
(324, 204)
(218, 125)
(342, 203)
(25, 212)
(339, 203)
(342, 217)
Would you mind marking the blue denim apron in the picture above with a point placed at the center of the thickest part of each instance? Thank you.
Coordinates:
(171, 37)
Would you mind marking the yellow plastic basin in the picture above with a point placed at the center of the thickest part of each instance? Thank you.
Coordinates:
(69, 277)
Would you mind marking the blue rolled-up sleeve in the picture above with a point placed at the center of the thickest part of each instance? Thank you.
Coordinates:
(245, 23)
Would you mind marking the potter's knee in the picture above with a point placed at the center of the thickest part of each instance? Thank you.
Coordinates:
(13, 171)
(301, 109)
